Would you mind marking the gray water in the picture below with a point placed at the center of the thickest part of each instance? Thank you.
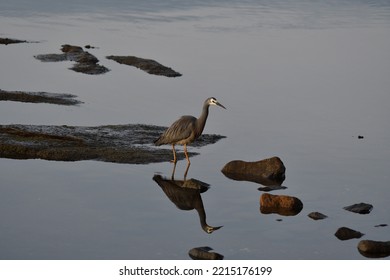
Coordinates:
(301, 80)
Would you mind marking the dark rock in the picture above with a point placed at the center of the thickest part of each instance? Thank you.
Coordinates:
(203, 253)
(39, 97)
(361, 208)
(111, 143)
(381, 225)
(85, 62)
(148, 65)
(317, 216)
(360, 137)
(374, 249)
(345, 233)
(7, 41)
(280, 204)
(268, 172)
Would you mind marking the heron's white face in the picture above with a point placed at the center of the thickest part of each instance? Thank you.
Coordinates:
(213, 101)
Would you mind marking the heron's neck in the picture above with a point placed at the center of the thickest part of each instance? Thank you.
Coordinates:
(201, 122)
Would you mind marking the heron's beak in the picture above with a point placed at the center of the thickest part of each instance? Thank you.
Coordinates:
(220, 105)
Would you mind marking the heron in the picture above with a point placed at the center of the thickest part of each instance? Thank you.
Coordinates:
(186, 129)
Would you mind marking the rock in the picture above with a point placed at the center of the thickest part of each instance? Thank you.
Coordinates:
(7, 41)
(85, 62)
(203, 253)
(317, 216)
(268, 172)
(381, 225)
(374, 249)
(148, 65)
(111, 143)
(361, 208)
(345, 233)
(39, 97)
(280, 204)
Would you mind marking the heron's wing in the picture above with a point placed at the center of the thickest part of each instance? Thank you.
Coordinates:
(179, 130)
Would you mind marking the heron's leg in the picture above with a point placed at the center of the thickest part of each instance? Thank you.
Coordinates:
(185, 152)
(174, 154)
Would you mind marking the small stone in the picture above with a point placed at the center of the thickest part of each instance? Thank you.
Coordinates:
(345, 233)
(360, 208)
(317, 216)
(203, 253)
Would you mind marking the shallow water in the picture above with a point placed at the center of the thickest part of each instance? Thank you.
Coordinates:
(300, 80)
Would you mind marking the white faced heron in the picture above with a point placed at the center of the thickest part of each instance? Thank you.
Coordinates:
(186, 129)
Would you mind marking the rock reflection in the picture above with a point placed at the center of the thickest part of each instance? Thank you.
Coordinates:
(185, 194)
(203, 253)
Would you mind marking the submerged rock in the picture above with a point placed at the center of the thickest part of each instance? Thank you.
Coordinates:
(361, 208)
(38, 97)
(203, 253)
(148, 65)
(85, 62)
(268, 172)
(374, 249)
(345, 233)
(280, 204)
(111, 143)
(317, 216)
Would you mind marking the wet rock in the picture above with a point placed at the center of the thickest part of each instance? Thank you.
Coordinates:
(7, 41)
(317, 216)
(374, 249)
(280, 204)
(38, 97)
(345, 233)
(361, 208)
(148, 65)
(381, 225)
(85, 62)
(203, 253)
(112, 143)
(268, 172)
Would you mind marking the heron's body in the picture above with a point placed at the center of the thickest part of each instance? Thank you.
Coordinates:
(186, 129)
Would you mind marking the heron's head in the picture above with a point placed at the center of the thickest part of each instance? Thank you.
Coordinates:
(214, 101)
(210, 229)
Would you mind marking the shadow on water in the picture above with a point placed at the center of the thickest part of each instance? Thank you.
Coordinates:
(186, 195)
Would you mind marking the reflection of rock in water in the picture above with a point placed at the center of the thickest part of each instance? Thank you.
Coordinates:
(374, 249)
(203, 253)
(280, 204)
(268, 172)
(186, 196)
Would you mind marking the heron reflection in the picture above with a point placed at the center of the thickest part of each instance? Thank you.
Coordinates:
(186, 195)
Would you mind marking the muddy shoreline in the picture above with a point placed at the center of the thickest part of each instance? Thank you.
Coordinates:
(131, 143)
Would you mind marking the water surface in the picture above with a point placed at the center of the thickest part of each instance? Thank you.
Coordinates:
(301, 80)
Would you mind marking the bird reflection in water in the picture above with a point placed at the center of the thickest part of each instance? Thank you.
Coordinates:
(185, 194)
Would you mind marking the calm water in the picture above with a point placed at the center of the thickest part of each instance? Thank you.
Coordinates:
(301, 80)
